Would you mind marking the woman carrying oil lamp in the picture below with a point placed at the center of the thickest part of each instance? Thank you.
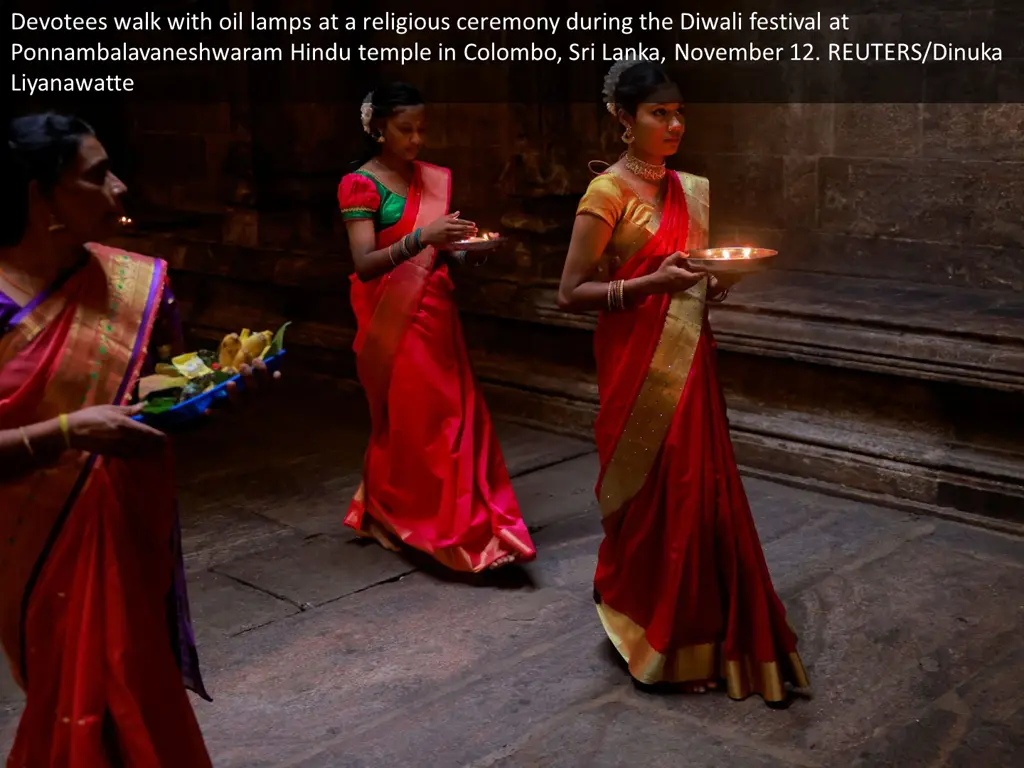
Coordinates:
(94, 616)
(681, 585)
(434, 478)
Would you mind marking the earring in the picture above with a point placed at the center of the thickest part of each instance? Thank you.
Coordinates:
(628, 135)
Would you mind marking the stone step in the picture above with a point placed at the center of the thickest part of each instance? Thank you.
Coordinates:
(905, 468)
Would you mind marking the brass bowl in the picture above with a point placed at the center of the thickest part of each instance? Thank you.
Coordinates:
(730, 260)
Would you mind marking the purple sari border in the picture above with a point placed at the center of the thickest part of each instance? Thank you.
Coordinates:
(145, 327)
(46, 293)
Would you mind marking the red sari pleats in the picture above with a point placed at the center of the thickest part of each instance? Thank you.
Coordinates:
(435, 476)
(683, 562)
(96, 634)
(88, 560)
(682, 585)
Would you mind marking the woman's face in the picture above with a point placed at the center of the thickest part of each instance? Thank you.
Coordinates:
(405, 132)
(87, 199)
(659, 124)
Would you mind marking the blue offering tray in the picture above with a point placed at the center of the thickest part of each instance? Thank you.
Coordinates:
(196, 407)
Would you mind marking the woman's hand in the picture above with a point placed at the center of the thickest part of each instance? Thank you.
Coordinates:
(255, 381)
(673, 276)
(719, 286)
(447, 229)
(109, 430)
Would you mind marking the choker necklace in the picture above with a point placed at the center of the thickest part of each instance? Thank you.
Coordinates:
(646, 171)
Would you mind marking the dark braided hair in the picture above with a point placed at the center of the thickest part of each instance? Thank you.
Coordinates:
(638, 83)
(386, 101)
(38, 148)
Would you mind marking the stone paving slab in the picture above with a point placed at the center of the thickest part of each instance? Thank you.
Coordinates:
(356, 664)
(221, 535)
(910, 628)
(223, 606)
(979, 723)
(611, 734)
(563, 490)
(317, 570)
(880, 636)
(526, 449)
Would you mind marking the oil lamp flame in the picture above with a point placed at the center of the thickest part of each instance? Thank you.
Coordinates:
(125, 221)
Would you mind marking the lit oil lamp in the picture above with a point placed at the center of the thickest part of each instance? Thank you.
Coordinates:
(125, 221)
(481, 242)
(740, 259)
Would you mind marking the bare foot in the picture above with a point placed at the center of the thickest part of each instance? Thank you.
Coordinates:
(700, 686)
(501, 562)
(379, 535)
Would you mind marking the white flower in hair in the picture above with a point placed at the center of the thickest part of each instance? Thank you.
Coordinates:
(611, 81)
(366, 112)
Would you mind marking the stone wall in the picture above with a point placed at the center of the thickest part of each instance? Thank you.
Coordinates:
(896, 290)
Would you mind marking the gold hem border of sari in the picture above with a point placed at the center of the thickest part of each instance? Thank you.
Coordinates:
(663, 386)
(744, 677)
(455, 558)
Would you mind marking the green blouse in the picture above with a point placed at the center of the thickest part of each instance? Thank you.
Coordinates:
(363, 196)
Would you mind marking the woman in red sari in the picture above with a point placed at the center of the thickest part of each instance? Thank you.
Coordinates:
(94, 616)
(433, 478)
(682, 587)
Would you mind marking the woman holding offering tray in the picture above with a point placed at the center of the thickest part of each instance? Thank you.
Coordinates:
(434, 478)
(682, 587)
(94, 615)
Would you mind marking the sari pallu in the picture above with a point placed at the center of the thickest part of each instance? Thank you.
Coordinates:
(87, 546)
(682, 587)
(434, 476)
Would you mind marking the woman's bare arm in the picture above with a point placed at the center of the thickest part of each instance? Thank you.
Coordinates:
(578, 290)
(370, 262)
(45, 446)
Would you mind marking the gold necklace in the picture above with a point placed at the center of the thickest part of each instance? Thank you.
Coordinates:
(644, 170)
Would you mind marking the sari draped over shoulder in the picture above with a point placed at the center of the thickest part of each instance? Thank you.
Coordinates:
(90, 594)
(682, 587)
(433, 476)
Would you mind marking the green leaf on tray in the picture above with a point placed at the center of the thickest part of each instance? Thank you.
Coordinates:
(278, 342)
(160, 404)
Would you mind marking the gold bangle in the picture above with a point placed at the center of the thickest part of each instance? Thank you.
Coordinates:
(65, 428)
(27, 442)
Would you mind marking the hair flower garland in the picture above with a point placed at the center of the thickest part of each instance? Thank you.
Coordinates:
(611, 82)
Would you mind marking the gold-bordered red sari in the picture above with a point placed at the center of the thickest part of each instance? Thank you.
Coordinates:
(434, 476)
(682, 587)
(87, 557)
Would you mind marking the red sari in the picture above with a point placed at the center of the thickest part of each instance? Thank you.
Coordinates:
(87, 548)
(682, 586)
(434, 476)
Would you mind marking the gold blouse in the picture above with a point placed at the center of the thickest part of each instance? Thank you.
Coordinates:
(633, 220)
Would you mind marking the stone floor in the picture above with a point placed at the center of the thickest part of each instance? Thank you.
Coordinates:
(323, 652)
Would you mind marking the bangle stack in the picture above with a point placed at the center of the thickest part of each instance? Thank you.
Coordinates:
(407, 247)
(616, 295)
(65, 428)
